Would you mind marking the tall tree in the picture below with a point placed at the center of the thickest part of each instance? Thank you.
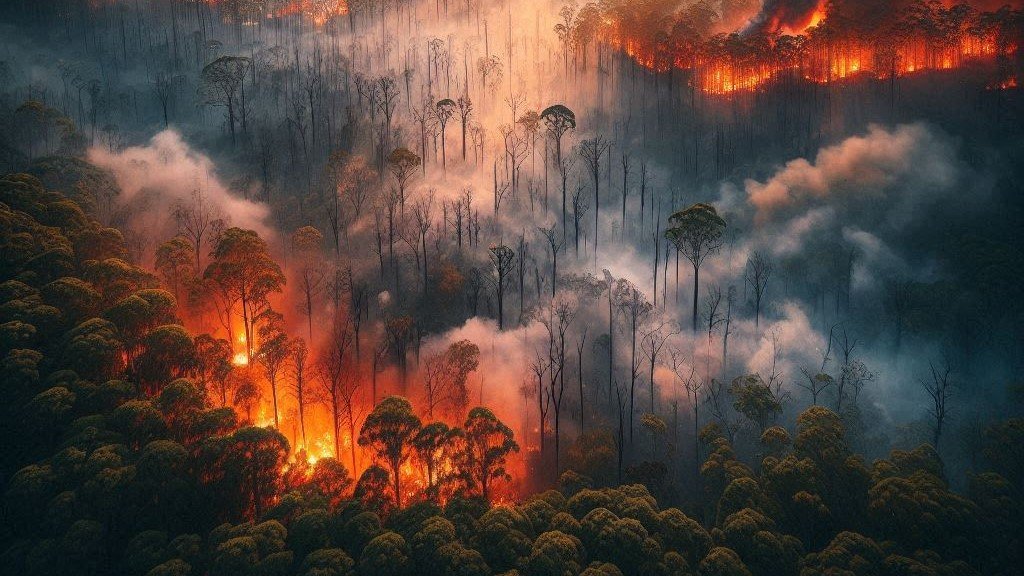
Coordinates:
(306, 245)
(503, 259)
(445, 375)
(244, 270)
(592, 150)
(340, 384)
(274, 350)
(939, 386)
(222, 83)
(389, 432)
(633, 305)
(758, 271)
(443, 111)
(696, 233)
(488, 444)
(403, 164)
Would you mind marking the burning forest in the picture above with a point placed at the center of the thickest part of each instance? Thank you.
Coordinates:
(617, 288)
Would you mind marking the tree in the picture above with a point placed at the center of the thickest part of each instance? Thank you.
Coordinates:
(403, 164)
(385, 555)
(213, 364)
(174, 263)
(754, 399)
(939, 387)
(696, 233)
(168, 353)
(388, 431)
(445, 374)
(555, 553)
(436, 444)
(198, 221)
(488, 445)
(340, 384)
(592, 150)
(274, 350)
(300, 367)
(722, 561)
(758, 271)
(633, 305)
(306, 244)
(503, 259)
(221, 83)
(465, 108)
(559, 120)
(244, 271)
(244, 469)
(248, 396)
(443, 111)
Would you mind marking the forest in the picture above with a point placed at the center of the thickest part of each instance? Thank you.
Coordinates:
(704, 287)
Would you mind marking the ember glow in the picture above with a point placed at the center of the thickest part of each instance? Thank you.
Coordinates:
(820, 46)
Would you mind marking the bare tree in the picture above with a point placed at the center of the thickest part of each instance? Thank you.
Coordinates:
(300, 366)
(221, 83)
(540, 366)
(730, 299)
(340, 384)
(557, 316)
(198, 220)
(422, 213)
(693, 386)
(444, 376)
(759, 270)
(713, 318)
(853, 374)
(633, 305)
(818, 381)
(465, 108)
(899, 302)
(386, 103)
(503, 259)
(555, 244)
(652, 342)
(939, 387)
(580, 205)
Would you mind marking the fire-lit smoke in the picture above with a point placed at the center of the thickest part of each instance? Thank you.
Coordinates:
(155, 178)
(788, 16)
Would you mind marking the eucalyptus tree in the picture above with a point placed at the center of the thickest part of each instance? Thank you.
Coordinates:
(696, 233)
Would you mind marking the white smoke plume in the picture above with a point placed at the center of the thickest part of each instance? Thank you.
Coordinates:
(165, 172)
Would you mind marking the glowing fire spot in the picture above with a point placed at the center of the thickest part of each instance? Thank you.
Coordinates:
(240, 359)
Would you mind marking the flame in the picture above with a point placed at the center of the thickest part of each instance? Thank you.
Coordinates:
(816, 17)
(240, 359)
(719, 69)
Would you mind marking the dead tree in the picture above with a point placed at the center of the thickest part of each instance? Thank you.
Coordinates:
(759, 270)
(939, 387)
(503, 259)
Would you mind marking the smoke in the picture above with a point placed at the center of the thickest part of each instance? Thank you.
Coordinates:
(883, 169)
(504, 368)
(784, 15)
(167, 172)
